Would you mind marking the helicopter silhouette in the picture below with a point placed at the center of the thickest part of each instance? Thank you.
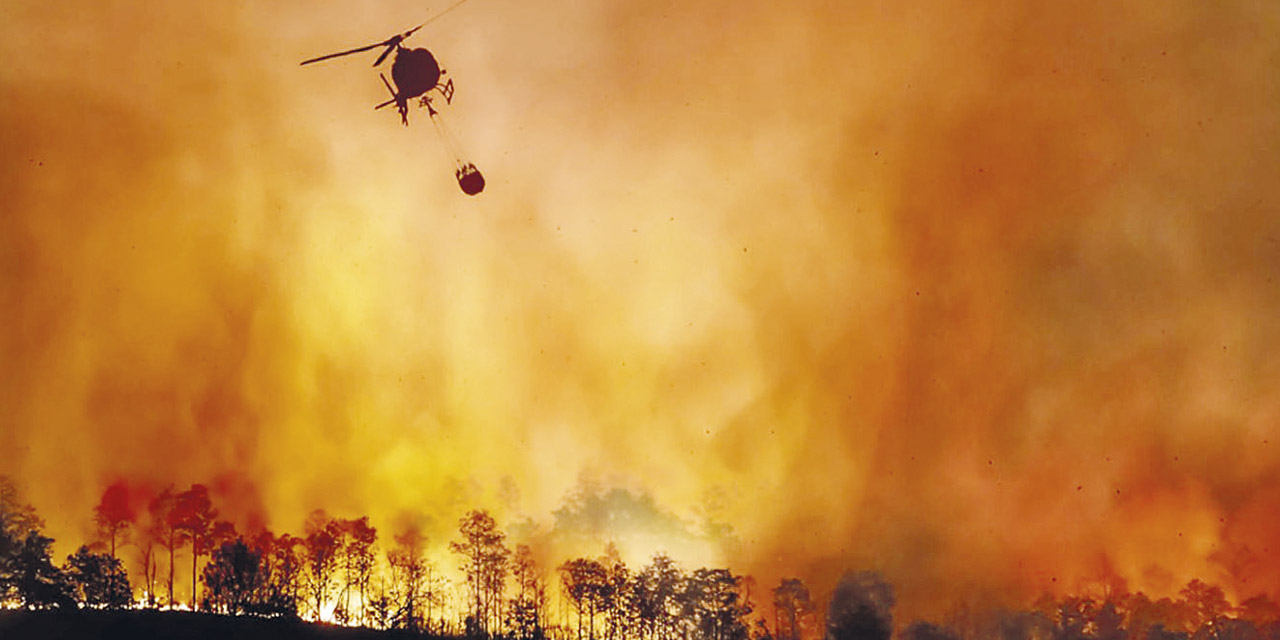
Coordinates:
(416, 73)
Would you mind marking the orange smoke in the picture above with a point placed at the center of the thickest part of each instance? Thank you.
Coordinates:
(980, 298)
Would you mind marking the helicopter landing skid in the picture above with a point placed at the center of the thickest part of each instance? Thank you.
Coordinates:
(446, 91)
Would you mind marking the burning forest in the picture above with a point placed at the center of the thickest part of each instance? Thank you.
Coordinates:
(339, 571)
(833, 319)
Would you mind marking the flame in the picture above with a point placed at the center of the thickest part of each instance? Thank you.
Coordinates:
(980, 298)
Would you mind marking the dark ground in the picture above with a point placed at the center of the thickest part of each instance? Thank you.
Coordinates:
(179, 625)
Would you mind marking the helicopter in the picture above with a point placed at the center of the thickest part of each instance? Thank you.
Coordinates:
(416, 73)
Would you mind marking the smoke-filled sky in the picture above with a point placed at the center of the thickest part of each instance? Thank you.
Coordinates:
(978, 295)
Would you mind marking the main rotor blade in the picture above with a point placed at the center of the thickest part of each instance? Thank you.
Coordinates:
(408, 33)
(386, 51)
(393, 42)
(345, 53)
(389, 43)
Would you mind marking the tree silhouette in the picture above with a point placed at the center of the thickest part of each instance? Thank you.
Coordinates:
(379, 608)
(530, 597)
(714, 606)
(791, 602)
(1108, 622)
(9, 545)
(619, 594)
(114, 516)
(585, 581)
(408, 579)
(27, 574)
(193, 518)
(161, 529)
(341, 530)
(234, 581)
(40, 585)
(435, 597)
(484, 562)
(1260, 608)
(17, 520)
(1074, 615)
(146, 547)
(359, 558)
(861, 608)
(320, 550)
(1207, 602)
(281, 567)
(1170, 616)
(659, 585)
(98, 580)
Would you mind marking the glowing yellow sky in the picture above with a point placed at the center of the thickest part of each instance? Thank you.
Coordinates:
(976, 295)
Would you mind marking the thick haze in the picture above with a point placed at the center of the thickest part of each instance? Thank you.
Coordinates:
(980, 296)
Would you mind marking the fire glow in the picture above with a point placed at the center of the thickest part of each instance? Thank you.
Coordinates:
(978, 298)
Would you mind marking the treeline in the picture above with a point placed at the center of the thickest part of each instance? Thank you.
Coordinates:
(340, 570)
(343, 571)
(862, 607)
